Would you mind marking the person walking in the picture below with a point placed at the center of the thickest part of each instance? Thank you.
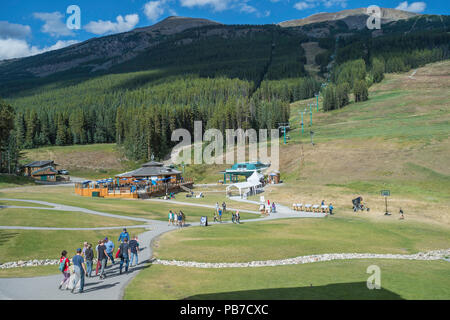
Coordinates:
(98, 260)
(224, 207)
(217, 206)
(134, 248)
(80, 270)
(89, 254)
(274, 208)
(220, 215)
(215, 216)
(124, 255)
(102, 257)
(64, 264)
(124, 235)
(402, 217)
(238, 217)
(183, 218)
(171, 216)
(85, 244)
(110, 249)
(179, 219)
(233, 217)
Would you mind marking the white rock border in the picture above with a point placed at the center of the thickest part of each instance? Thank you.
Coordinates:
(32, 263)
(428, 256)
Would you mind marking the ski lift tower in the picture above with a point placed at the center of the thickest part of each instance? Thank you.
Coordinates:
(284, 126)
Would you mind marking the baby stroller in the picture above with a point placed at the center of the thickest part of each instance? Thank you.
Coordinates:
(358, 205)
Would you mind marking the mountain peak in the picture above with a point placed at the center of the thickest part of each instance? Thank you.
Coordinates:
(175, 24)
(354, 18)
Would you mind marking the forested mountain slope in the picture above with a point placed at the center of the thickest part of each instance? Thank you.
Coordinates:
(143, 84)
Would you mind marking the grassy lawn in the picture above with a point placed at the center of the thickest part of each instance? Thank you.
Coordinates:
(329, 280)
(41, 244)
(295, 237)
(27, 272)
(10, 181)
(61, 219)
(133, 208)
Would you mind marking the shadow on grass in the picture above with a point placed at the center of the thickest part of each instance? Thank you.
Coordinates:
(336, 291)
(6, 235)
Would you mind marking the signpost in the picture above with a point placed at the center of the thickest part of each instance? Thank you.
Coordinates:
(385, 194)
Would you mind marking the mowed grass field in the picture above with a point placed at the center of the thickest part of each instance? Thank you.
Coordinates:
(288, 238)
(59, 219)
(42, 244)
(339, 280)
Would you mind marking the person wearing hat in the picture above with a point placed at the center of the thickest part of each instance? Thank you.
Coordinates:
(124, 235)
(80, 270)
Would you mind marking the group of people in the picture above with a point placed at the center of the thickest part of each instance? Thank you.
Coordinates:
(220, 210)
(267, 209)
(177, 219)
(83, 260)
(330, 207)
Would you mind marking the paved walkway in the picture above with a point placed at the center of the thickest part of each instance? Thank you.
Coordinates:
(112, 287)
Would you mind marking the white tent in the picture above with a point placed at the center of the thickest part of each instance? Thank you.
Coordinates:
(252, 184)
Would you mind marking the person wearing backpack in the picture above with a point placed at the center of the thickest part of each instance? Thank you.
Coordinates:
(64, 268)
(125, 253)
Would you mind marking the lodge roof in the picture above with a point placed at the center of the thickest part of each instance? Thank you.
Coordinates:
(41, 172)
(152, 164)
(150, 171)
(41, 163)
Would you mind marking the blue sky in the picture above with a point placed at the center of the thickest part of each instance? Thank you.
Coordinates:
(29, 27)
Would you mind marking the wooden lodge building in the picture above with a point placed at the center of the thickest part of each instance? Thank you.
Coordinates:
(41, 170)
(152, 179)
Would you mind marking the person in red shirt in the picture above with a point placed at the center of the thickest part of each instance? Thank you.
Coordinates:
(65, 272)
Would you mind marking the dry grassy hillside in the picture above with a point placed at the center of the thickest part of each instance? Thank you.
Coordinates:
(398, 140)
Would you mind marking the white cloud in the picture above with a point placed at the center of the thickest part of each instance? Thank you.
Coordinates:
(413, 7)
(308, 4)
(18, 48)
(216, 5)
(121, 25)
(303, 5)
(12, 30)
(53, 24)
(247, 9)
(153, 10)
